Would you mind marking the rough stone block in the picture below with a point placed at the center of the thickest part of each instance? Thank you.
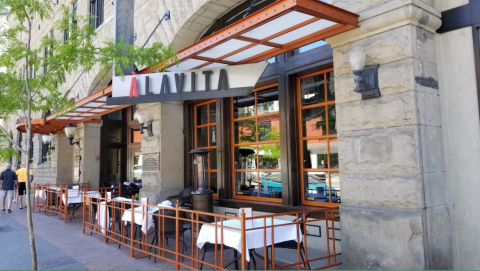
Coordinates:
(423, 44)
(383, 48)
(386, 111)
(389, 150)
(376, 189)
(357, 6)
(382, 238)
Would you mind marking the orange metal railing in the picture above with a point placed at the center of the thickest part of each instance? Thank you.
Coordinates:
(64, 201)
(173, 234)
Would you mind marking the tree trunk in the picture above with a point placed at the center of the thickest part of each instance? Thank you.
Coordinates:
(31, 232)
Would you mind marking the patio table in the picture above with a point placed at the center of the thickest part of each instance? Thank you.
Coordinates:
(75, 196)
(101, 212)
(139, 217)
(253, 239)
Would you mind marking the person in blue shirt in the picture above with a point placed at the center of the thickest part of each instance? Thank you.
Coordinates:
(8, 180)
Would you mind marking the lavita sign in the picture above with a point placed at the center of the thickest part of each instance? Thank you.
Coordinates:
(228, 81)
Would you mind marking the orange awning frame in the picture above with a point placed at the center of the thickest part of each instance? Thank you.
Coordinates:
(278, 28)
(86, 110)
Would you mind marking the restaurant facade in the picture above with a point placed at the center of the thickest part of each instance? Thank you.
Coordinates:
(398, 156)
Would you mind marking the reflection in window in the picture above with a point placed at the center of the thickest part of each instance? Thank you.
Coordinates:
(306, 48)
(114, 135)
(256, 145)
(206, 137)
(318, 138)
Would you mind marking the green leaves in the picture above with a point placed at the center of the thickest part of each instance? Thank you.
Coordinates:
(36, 72)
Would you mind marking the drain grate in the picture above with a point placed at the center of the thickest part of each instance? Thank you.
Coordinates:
(5, 228)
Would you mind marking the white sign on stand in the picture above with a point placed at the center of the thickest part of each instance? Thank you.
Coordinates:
(248, 213)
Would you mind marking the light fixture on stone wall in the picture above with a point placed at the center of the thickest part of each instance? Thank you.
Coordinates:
(141, 119)
(366, 78)
(70, 133)
(47, 140)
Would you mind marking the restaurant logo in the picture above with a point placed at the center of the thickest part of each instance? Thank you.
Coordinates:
(229, 81)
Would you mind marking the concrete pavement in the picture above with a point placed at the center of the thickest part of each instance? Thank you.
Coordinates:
(62, 246)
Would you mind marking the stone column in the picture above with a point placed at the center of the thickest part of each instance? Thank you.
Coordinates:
(62, 159)
(89, 135)
(394, 213)
(167, 142)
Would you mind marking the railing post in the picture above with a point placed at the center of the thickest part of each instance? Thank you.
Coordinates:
(243, 237)
(84, 211)
(132, 226)
(177, 236)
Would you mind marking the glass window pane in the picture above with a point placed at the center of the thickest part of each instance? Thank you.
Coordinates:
(330, 87)
(245, 157)
(245, 183)
(316, 187)
(315, 153)
(271, 184)
(202, 115)
(213, 136)
(244, 107)
(114, 134)
(213, 181)
(212, 112)
(202, 137)
(333, 153)
(116, 115)
(335, 186)
(244, 131)
(213, 159)
(313, 122)
(332, 120)
(269, 156)
(312, 90)
(136, 136)
(269, 128)
(267, 101)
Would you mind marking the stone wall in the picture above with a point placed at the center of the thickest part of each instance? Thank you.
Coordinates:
(394, 210)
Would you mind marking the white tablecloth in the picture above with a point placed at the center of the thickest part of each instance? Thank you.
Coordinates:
(254, 238)
(101, 213)
(139, 218)
(79, 198)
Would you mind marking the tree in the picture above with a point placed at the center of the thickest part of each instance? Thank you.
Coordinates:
(35, 76)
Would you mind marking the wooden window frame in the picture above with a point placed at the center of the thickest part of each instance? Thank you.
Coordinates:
(97, 9)
(301, 138)
(256, 144)
(211, 148)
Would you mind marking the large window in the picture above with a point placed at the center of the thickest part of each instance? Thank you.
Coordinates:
(256, 145)
(205, 137)
(46, 149)
(318, 139)
(96, 10)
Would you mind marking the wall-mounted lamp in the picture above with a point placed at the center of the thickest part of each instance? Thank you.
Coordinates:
(366, 78)
(141, 119)
(70, 133)
(47, 140)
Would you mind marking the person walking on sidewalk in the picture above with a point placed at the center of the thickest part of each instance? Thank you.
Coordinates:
(22, 187)
(7, 178)
(15, 189)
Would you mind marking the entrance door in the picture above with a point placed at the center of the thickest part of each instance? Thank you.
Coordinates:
(135, 164)
(113, 168)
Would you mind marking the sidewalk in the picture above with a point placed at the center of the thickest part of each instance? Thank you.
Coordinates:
(62, 246)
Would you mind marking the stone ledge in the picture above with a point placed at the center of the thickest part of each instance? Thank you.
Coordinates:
(388, 16)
